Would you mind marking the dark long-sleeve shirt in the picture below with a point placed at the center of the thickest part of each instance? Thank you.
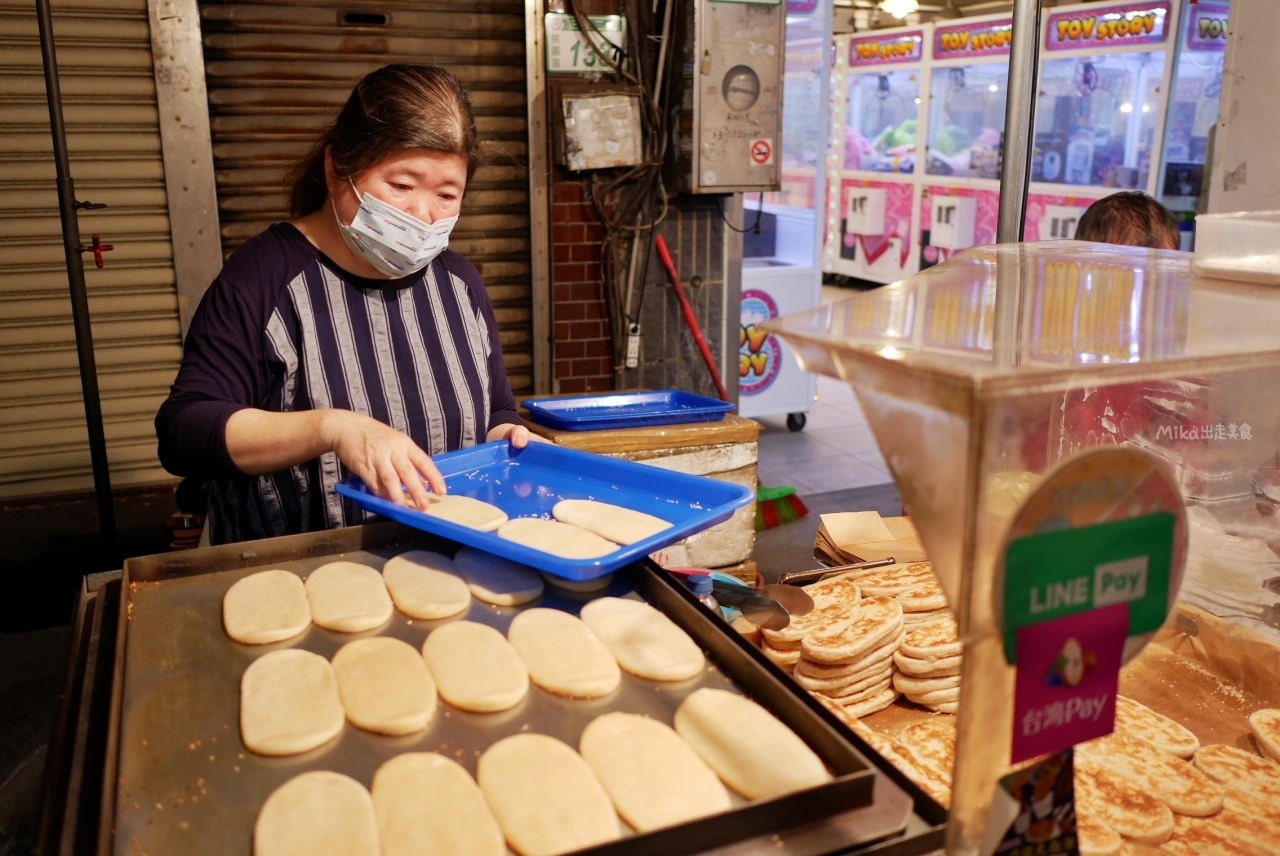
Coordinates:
(284, 329)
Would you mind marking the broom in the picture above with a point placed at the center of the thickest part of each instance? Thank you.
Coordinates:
(776, 506)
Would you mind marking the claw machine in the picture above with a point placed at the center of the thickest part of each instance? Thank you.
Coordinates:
(873, 164)
(782, 245)
(968, 86)
(1104, 73)
(1193, 110)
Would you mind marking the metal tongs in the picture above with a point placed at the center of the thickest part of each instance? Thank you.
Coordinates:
(804, 578)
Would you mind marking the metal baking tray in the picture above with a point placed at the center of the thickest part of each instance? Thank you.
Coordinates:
(178, 779)
(528, 482)
(625, 410)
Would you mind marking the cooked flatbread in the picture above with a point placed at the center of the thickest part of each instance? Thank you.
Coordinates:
(466, 511)
(1227, 834)
(563, 655)
(1096, 839)
(1133, 848)
(654, 777)
(348, 597)
(939, 668)
(933, 741)
(1121, 805)
(384, 685)
(849, 695)
(918, 686)
(917, 619)
(834, 607)
(945, 707)
(617, 524)
(319, 813)
(879, 619)
(269, 606)
(750, 749)
(1266, 817)
(475, 667)
(600, 583)
(872, 705)
(545, 797)
(786, 659)
(426, 585)
(458, 821)
(928, 597)
(555, 538)
(496, 580)
(645, 642)
(1160, 731)
(872, 661)
(933, 641)
(898, 579)
(933, 697)
(1169, 779)
(1235, 768)
(1265, 725)
(289, 703)
(842, 686)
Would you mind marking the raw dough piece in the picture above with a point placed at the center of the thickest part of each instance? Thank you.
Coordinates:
(428, 805)
(348, 597)
(426, 585)
(1160, 731)
(655, 779)
(496, 580)
(1121, 805)
(555, 538)
(289, 703)
(466, 511)
(475, 668)
(1265, 725)
(835, 606)
(319, 813)
(563, 655)
(545, 797)
(879, 619)
(1171, 780)
(1235, 768)
(619, 525)
(644, 641)
(268, 606)
(748, 746)
(384, 685)
(579, 586)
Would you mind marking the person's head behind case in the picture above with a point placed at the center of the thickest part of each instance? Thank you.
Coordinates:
(1131, 218)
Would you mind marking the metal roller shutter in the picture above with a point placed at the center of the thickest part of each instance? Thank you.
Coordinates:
(104, 52)
(278, 71)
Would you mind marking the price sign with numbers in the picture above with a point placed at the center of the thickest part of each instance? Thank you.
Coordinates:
(568, 51)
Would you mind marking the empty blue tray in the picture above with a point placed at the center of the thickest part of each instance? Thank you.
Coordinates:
(625, 410)
(528, 482)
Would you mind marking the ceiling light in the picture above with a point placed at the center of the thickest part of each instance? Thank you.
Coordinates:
(917, 100)
(1146, 108)
(900, 8)
(1126, 108)
(994, 88)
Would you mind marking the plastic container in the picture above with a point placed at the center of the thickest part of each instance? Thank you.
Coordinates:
(625, 410)
(1243, 246)
(703, 589)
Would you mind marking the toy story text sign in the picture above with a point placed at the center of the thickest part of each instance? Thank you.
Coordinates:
(881, 50)
(1207, 27)
(1132, 24)
(991, 39)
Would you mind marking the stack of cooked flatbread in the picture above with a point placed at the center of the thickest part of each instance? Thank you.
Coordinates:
(851, 662)
(914, 585)
(835, 605)
(928, 664)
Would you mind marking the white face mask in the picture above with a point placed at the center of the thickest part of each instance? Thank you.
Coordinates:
(396, 243)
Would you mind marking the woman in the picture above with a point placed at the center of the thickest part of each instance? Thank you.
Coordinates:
(349, 340)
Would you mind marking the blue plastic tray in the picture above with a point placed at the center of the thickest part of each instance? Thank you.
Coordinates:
(528, 482)
(626, 410)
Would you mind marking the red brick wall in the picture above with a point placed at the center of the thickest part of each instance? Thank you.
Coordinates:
(583, 349)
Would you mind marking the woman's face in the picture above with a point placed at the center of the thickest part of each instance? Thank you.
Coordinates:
(425, 184)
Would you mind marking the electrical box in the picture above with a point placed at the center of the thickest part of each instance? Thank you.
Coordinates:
(597, 126)
(1059, 222)
(866, 211)
(726, 113)
(953, 222)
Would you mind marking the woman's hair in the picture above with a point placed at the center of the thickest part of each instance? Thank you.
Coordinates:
(1132, 218)
(396, 107)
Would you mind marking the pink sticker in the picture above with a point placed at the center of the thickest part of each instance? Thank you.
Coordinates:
(1068, 675)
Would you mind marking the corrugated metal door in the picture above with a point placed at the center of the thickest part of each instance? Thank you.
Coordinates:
(278, 71)
(104, 52)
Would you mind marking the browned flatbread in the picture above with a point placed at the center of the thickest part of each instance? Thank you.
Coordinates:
(933, 641)
(1121, 805)
(850, 696)
(1229, 833)
(940, 668)
(1169, 779)
(1160, 731)
(856, 668)
(834, 607)
(1235, 768)
(879, 620)
(1265, 725)
(897, 579)
(786, 659)
(916, 619)
(843, 686)
(933, 741)
(1265, 826)
(1096, 839)
(876, 703)
(923, 598)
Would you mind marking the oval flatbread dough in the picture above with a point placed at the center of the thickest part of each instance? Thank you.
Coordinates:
(747, 746)
(557, 539)
(644, 641)
(475, 668)
(563, 655)
(428, 805)
(466, 511)
(289, 703)
(579, 586)
(619, 525)
(265, 607)
(655, 779)
(384, 685)
(319, 813)
(496, 580)
(348, 597)
(546, 798)
(426, 585)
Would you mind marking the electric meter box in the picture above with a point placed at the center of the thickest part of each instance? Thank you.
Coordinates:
(727, 111)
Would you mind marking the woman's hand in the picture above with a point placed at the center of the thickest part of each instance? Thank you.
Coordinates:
(382, 456)
(519, 435)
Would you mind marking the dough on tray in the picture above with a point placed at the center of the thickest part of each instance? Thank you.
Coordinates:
(496, 580)
(556, 538)
(428, 805)
(289, 703)
(426, 585)
(348, 597)
(563, 655)
(384, 685)
(466, 511)
(599, 583)
(644, 641)
(269, 606)
(619, 525)
(475, 667)
(319, 813)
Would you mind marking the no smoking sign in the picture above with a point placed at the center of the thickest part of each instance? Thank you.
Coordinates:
(762, 152)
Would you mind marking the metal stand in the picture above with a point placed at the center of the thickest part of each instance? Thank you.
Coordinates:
(67, 206)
